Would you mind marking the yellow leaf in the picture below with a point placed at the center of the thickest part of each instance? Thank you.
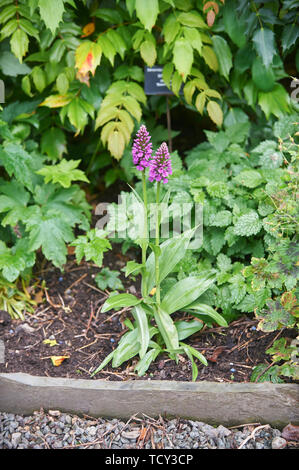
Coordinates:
(88, 30)
(56, 101)
(51, 342)
(200, 101)
(116, 144)
(153, 291)
(57, 360)
(215, 112)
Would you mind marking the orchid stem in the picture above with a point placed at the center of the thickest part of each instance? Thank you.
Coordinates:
(145, 232)
(157, 271)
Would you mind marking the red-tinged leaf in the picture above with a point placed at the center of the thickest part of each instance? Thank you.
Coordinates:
(88, 57)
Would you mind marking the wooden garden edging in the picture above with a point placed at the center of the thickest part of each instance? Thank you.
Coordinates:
(211, 402)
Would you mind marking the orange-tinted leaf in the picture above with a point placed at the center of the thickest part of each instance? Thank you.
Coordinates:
(88, 30)
(211, 5)
(83, 78)
(39, 297)
(210, 18)
(57, 360)
(71, 250)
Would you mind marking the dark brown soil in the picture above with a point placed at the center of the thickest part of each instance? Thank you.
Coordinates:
(70, 313)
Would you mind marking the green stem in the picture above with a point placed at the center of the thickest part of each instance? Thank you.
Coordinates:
(157, 271)
(145, 231)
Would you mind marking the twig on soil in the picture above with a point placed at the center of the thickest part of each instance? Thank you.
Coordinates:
(76, 282)
(253, 434)
(95, 288)
(243, 425)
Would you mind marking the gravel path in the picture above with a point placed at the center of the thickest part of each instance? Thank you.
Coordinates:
(56, 430)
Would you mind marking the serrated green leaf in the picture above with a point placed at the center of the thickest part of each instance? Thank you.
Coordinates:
(63, 173)
(263, 40)
(248, 224)
(182, 57)
(51, 13)
(223, 54)
(147, 12)
(19, 43)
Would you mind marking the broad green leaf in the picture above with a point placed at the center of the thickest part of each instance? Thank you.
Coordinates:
(15, 260)
(223, 54)
(171, 28)
(143, 365)
(183, 57)
(143, 330)
(127, 348)
(248, 224)
(172, 251)
(167, 328)
(200, 101)
(148, 53)
(11, 67)
(193, 36)
(107, 47)
(187, 328)
(187, 291)
(62, 83)
(206, 310)
(51, 13)
(39, 78)
(263, 40)
(133, 267)
(274, 102)
(92, 246)
(120, 300)
(215, 112)
(116, 144)
(167, 74)
(56, 101)
(234, 26)
(249, 178)
(19, 43)
(289, 37)
(17, 162)
(193, 19)
(51, 233)
(53, 143)
(210, 58)
(63, 173)
(147, 12)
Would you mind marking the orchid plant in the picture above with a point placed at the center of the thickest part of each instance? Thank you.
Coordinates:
(153, 330)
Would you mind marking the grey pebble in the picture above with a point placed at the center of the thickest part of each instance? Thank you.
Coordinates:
(58, 430)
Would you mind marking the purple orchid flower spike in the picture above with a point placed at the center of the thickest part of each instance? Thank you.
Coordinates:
(142, 149)
(160, 165)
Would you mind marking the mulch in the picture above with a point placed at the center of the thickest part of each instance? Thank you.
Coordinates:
(70, 313)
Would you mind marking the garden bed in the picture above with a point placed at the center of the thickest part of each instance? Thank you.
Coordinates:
(70, 314)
